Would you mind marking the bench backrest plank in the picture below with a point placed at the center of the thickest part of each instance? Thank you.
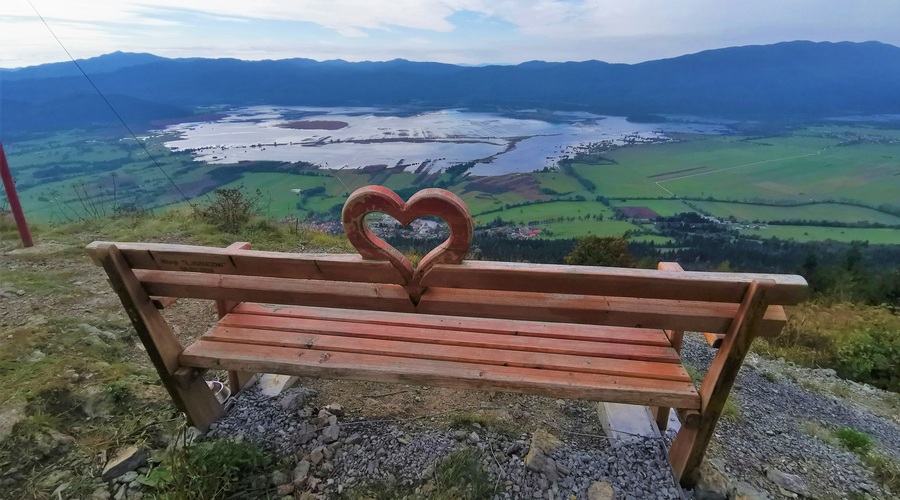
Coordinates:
(671, 300)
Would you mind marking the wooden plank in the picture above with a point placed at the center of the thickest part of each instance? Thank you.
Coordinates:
(450, 326)
(613, 364)
(314, 266)
(414, 333)
(278, 290)
(615, 311)
(610, 281)
(191, 396)
(470, 376)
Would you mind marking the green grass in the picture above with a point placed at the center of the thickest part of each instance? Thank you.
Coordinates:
(885, 468)
(818, 233)
(854, 440)
(778, 168)
(215, 469)
(559, 182)
(820, 211)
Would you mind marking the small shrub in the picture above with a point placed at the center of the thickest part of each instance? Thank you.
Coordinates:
(871, 355)
(211, 470)
(231, 209)
(854, 440)
(771, 376)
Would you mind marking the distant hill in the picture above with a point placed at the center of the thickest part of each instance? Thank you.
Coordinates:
(790, 80)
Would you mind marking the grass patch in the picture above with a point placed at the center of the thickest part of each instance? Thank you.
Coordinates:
(854, 440)
(731, 411)
(461, 476)
(211, 470)
(696, 375)
(885, 468)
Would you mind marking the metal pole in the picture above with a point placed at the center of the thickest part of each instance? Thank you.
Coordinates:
(13, 198)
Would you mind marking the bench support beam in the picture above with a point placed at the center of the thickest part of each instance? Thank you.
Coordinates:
(689, 447)
(236, 380)
(190, 393)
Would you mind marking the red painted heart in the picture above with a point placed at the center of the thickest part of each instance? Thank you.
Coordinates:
(433, 202)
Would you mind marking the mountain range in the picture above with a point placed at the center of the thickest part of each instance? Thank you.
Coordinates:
(784, 81)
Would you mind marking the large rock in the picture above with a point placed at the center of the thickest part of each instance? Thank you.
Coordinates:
(601, 490)
(745, 491)
(126, 460)
(712, 484)
(301, 473)
(542, 439)
(538, 457)
(789, 482)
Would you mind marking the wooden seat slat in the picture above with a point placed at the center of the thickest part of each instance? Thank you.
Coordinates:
(390, 369)
(567, 331)
(713, 317)
(611, 281)
(617, 359)
(554, 337)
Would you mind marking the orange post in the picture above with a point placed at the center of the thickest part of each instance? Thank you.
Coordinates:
(13, 198)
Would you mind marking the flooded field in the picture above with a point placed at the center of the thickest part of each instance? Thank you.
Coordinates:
(430, 141)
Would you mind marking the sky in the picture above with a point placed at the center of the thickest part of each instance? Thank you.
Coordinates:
(452, 31)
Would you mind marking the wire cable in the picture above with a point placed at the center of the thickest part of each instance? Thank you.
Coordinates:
(111, 108)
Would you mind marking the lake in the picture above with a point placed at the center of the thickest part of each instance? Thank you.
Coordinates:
(428, 141)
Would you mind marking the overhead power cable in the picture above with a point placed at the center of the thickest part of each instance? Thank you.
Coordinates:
(109, 104)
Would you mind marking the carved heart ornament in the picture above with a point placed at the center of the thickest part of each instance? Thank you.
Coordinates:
(427, 202)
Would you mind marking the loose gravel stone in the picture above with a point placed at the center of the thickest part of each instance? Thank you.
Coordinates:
(407, 454)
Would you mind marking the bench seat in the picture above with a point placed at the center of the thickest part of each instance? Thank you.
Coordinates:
(600, 363)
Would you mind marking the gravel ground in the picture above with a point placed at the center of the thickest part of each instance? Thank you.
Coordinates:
(404, 452)
(772, 433)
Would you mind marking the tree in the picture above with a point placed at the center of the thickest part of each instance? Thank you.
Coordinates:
(609, 251)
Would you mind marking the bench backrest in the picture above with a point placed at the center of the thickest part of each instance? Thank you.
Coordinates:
(381, 278)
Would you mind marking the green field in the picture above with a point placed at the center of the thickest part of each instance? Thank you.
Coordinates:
(63, 175)
(799, 167)
(566, 219)
(818, 233)
(818, 212)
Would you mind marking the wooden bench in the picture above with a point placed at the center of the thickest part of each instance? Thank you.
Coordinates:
(592, 333)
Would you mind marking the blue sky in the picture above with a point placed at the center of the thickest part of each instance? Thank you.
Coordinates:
(453, 31)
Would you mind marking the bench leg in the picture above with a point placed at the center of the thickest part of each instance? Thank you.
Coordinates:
(689, 447)
(661, 413)
(187, 389)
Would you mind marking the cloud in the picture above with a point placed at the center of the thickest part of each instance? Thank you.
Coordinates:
(609, 30)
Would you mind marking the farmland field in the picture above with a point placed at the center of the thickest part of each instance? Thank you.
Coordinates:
(818, 233)
(817, 165)
(818, 212)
